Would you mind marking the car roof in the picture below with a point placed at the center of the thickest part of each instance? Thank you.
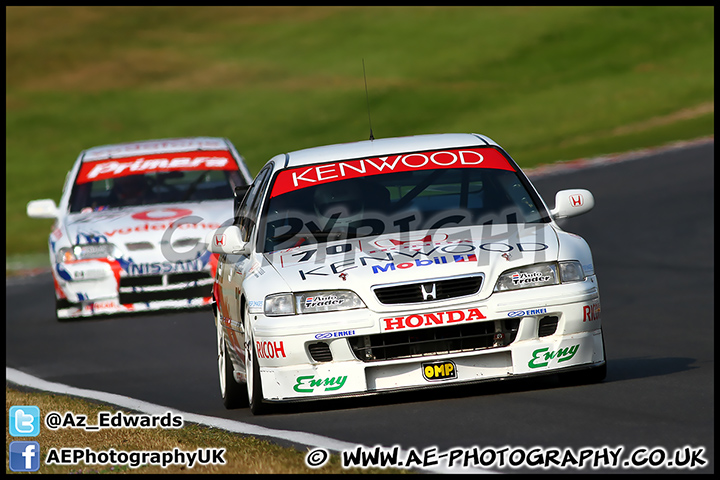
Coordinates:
(385, 146)
(147, 147)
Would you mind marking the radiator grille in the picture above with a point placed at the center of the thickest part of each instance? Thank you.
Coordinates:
(435, 341)
(429, 291)
(320, 352)
(171, 286)
(547, 326)
(158, 281)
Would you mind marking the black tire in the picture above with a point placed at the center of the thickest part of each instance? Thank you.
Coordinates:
(232, 393)
(254, 384)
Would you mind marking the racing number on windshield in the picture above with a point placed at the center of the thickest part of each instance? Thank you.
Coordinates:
(331, 250)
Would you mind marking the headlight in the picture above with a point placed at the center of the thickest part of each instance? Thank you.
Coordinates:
(540, 275)
(311, 302)
(279, 304)
(328, 301)
(571, 271)
(83, 252)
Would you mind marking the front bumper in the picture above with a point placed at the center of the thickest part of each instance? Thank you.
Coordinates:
(512, 334)
(101, 287)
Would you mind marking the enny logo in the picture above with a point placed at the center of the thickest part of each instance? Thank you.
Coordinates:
(439, 371)
(543, 356)
(308, 383)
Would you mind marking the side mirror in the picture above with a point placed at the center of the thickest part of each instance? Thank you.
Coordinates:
(227, 240)
(570, 203)
(45, 208)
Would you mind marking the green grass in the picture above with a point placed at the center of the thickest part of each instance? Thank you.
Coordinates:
(243, 454)
(547, 83)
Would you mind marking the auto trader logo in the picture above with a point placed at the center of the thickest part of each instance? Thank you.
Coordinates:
(24, 421)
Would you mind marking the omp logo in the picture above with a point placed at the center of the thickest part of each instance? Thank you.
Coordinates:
(543, 356)
(439, 371)
(308, 383)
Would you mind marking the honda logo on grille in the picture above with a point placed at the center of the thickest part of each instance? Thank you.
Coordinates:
(428, 291)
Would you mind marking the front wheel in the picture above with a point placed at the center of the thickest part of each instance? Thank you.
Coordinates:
(232, 393)
(253, 384)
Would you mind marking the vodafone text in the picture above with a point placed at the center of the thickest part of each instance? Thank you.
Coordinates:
(136, 458)
(519, 457)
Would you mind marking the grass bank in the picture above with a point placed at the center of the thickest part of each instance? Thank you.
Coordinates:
(547, 83)
(243, 454)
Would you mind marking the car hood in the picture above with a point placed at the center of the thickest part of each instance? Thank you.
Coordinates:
(151, 233)
(361, 264)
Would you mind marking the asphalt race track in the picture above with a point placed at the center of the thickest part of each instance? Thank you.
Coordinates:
(652, 235)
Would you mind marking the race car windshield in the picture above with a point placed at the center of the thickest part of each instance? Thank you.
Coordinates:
(396, 202)
(153, 188)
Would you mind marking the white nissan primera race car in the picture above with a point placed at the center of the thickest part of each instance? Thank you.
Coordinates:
(129, 232)
(400, 263)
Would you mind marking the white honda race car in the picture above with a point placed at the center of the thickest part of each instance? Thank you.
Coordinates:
(400, 263)
(130, 229)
